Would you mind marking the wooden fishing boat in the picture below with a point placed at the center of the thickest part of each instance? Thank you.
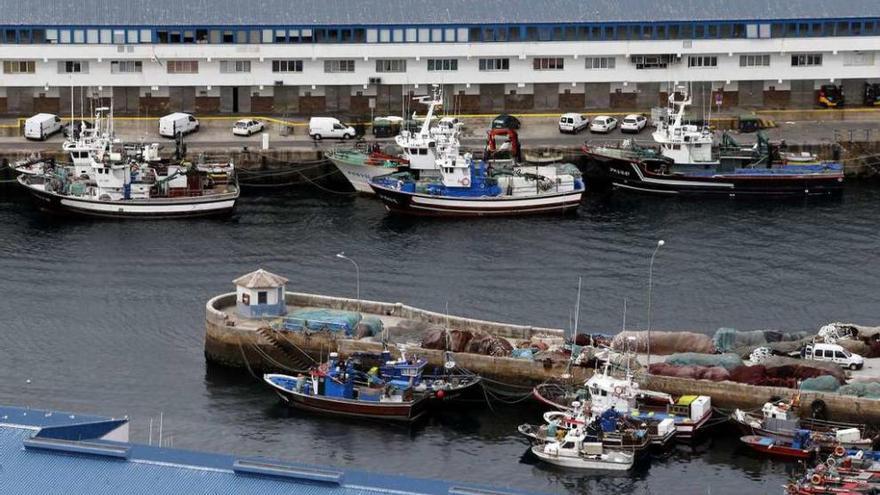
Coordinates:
(799, 449)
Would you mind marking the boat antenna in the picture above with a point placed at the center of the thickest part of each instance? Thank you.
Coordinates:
(577, 311)
(448, 363)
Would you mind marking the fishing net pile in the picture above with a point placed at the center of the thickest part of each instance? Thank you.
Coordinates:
(744, 342)
(775, 372)
(664, 343)
(694, 372)
(870, 390)
(726, 361)
(477, 342)
(825, 383)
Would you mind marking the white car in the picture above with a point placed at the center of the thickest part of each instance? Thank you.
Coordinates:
(633, 123)
(247, 127)
(603, 124)
(573, 123)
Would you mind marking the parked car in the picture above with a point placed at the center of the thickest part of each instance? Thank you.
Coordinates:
(833, 353)
(633, 123)
(41, 126)
(177, 123)
(329, 127)
(603, 124)
(247, 127)
(72, 130)
(573, 122)
(505, 121)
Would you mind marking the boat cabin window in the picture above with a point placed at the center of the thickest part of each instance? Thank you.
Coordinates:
(262, 297)
(423, 151)
(568, 445)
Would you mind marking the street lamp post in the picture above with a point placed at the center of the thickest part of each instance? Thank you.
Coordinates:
(357, 272)
(660, 244)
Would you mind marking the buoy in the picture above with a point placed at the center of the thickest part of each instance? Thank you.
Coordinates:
(839, 451)
(441, 394)
(28, 380)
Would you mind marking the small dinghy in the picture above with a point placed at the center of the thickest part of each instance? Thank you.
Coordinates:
(800, 448)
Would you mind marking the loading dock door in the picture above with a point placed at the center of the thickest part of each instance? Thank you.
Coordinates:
(492, 97)
(597, 95)
(853, 92)
(338, 98)
(126, 100)
(20, 101)
(802, 94)
(751, 93)
(286, 99)
(182, 99)
(235, 99)
(648, 95)
(546, 96)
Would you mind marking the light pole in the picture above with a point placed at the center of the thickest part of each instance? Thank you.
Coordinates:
(357, 272)
(660, 244)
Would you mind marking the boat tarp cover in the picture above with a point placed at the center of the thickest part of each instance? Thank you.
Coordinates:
(318, 319)
(870, 390)
(686, 400)
(726, 361)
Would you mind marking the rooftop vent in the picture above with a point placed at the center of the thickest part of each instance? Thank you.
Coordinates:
(268, 468)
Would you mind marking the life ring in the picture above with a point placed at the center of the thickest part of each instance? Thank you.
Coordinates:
(830, 462)
(618, 391)
(791, 489)
(816, 479)
(465, 181)
(839, 451)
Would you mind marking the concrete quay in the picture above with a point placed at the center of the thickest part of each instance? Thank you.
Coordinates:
(856, 131)
(252, 343)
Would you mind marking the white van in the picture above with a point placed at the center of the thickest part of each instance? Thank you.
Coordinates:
(573, 123)
(177, 123)
(835, 354)
(41, 126)
(328, 127)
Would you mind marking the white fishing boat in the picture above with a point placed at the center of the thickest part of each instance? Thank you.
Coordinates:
(419, 150)
(573, 451)
(118, 186)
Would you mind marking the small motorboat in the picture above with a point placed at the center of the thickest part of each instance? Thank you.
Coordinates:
(337, 388)
(573, 451)
(800, 448)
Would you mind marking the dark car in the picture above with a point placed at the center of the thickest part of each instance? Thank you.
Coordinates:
(71, 130)
(505, 121)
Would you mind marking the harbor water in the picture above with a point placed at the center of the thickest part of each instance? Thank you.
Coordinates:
(107, 317)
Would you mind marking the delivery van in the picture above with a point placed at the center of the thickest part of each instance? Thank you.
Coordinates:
(177, 123)
(329, 127)
(41, 126)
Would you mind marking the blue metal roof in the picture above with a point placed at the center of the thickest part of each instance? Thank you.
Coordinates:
(77, 461)
(412, 12)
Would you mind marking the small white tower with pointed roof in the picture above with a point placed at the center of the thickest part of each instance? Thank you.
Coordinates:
(260, 294)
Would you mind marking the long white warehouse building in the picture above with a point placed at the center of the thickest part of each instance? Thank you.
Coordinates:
(350, 56)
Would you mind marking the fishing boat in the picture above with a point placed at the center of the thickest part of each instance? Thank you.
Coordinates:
(337, 388)
(686, 162)
(419, 150)
(801, 447)
(468, 188)
(446, 384)
(689, 413)
(116, 185)
(574, 450)
(780, 421)
(611, 429)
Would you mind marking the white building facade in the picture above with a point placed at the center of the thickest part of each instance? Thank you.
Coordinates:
(571, 55)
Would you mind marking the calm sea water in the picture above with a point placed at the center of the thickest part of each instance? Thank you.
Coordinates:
(107, 317)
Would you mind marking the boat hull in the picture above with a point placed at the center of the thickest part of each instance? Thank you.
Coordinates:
(360, 175)
(633, 176)
(426, 205)
(775, 449)
(202, 206)
(580, 462)
(788, 436)
(402, 411)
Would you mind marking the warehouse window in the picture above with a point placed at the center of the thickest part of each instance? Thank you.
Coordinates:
(287, 66)
(754, 60)
(331, 66)
(806, 60)
(126, 66)
(858, 59)
(442, 64)
(182, 66)
(235, 66)
(494, 64)
(703, 61)
(392, 65)
(599, 62)
(548, 63)
(19, 67)
(73, 67)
